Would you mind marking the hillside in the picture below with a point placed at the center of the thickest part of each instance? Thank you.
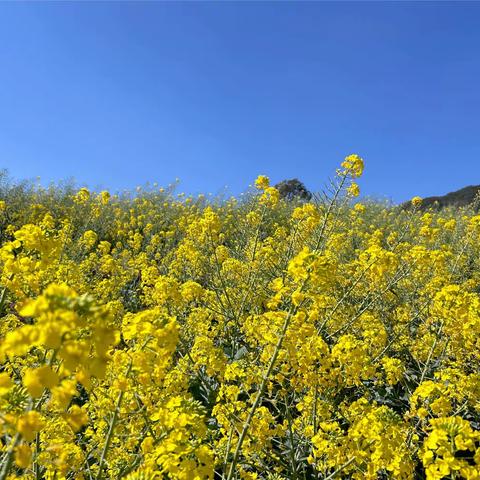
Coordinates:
(163, 337)
(459, 198)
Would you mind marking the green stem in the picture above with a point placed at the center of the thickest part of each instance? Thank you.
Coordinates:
(9, 458)
(111, 428)
(36, 466)
(292, 452)
(259, 395)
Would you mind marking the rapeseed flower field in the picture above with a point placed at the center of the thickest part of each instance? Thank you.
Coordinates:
(158, 336)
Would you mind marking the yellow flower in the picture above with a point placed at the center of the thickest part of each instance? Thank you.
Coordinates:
(262, 182)
(353, 190)
(5, 383)
(82, 196)
(359, 208)
(270, 197)
(447, 436)
(417, 201)
(29, 424)
(23, 455)
(36, 380)
(393, 369)
(104, 197)
(76, 418)
(353, 165)
(89, 238)
(151, 330)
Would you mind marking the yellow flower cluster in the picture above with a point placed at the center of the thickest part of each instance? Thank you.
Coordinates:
(158, 336)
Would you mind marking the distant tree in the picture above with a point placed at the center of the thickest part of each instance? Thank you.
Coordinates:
(293, 189)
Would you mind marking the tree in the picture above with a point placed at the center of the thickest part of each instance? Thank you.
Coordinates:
(293, 189)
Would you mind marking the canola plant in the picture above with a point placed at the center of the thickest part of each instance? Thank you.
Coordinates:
(156, 336)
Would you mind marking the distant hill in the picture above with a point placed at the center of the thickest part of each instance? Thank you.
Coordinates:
(460, 198)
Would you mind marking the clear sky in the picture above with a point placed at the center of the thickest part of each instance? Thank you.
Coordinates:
(118, 94)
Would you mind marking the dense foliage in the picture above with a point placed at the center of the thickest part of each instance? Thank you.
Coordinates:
(158, 336)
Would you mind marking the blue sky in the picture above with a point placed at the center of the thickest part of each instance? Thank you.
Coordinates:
(118, 94)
